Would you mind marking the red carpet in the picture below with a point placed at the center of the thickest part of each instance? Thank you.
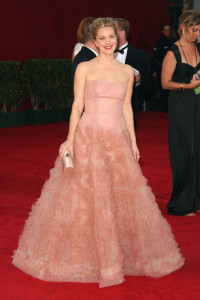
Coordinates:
(26, 155)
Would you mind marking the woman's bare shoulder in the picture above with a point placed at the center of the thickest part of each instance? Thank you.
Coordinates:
(125, 70)
(85, 65)
(169, 55)
(129, 70)
(124, 67)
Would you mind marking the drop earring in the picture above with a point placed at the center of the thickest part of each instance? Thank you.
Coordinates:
(183, 31)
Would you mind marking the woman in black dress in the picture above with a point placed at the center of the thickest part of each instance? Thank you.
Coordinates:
(180, 65)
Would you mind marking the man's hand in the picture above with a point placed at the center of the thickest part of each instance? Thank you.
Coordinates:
(137, 79)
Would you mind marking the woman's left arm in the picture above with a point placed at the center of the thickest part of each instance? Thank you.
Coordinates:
(128, 113)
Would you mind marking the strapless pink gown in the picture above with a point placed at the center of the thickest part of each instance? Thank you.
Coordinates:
(103, 223)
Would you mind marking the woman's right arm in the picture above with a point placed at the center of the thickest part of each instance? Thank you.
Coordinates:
(77, 109)
(168, 67)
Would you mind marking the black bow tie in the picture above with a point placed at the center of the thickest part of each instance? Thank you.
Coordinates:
(121, 50)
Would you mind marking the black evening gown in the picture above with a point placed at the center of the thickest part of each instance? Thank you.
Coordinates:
(184, 141)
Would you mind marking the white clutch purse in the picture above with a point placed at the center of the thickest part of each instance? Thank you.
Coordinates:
(68, 167)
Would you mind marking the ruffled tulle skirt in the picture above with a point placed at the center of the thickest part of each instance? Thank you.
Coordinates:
(102, 223)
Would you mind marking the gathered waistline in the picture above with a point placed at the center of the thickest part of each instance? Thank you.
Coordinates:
(103, 97)
(99, 114)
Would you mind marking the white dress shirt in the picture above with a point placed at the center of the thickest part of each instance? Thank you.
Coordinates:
(122, 57)
(77, 48)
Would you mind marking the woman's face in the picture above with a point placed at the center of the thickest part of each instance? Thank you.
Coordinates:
(106, 40)
(192, 33)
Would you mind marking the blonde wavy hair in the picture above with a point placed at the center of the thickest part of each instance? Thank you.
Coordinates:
(188, 18)
(102, 23)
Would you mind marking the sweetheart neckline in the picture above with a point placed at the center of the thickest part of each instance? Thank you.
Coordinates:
(185, 63)
(189, 64)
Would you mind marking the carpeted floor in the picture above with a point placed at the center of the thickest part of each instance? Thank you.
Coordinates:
(26, 155)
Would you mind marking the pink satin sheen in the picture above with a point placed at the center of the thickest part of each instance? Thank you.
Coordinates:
(68, 167)
(102, 223)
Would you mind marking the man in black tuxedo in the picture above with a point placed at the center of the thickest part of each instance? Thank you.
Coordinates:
(138, 59)
(88, 52)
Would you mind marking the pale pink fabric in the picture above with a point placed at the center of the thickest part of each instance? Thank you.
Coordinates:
(103, 223)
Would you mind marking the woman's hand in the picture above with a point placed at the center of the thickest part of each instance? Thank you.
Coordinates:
(194, 82)
(66, 146)
(136, 152)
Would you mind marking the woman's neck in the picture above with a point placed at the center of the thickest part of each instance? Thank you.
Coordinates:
(185, 42)
(106, 58)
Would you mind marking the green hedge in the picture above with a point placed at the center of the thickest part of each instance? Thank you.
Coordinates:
(11, 91)
(46, 82)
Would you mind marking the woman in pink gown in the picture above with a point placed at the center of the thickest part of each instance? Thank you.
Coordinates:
(102, 223)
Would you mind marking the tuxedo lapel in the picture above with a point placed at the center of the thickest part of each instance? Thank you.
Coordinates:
(130, 57)
(127, 56)
(86, 54)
